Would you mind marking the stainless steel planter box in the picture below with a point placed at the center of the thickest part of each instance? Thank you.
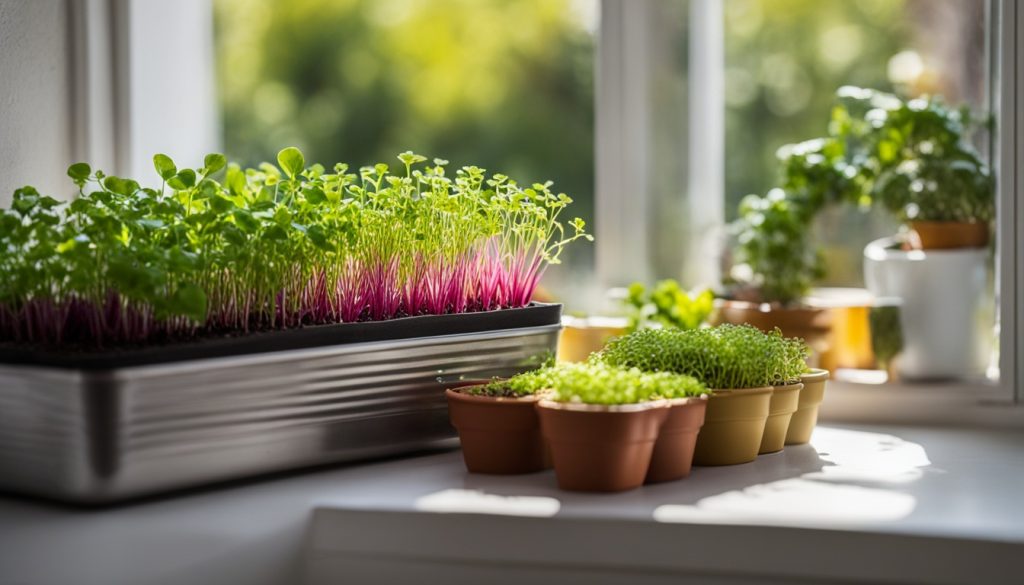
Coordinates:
(89, 431)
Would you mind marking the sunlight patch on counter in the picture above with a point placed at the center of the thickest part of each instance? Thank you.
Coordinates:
(794, 501)
(460, 501)
(859, 483)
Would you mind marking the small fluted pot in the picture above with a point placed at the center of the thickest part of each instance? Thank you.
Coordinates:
(499, 435)
(672, 458)
(598, 448)
(780, 412)
(806, 416)
(733, 426)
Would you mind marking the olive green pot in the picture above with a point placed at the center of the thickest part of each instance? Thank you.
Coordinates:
(733, 426)
(780, 411)
(806, 416)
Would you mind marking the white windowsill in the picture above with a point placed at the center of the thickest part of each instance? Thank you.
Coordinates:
(865, 503)
(958, 404)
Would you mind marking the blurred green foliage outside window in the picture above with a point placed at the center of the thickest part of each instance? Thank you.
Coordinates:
(509, 85)
(502, 84)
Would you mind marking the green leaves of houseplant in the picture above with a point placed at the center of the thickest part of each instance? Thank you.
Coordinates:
(914, 157)
(667, 305)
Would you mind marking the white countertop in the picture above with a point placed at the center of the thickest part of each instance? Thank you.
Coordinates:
(862, 503)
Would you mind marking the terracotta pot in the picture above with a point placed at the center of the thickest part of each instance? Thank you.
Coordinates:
(812, 324)
(601, 448)
(943, 235)
(498, 435)
(673, 451)
(733, 426)
(806, 415)
(780, 410)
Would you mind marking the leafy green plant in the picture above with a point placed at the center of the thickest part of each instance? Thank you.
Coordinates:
(274, 247)
(722, 357)
(775, 259)
(667, 305)
(914, 156)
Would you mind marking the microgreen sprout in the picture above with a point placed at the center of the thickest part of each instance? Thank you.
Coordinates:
(595, 382)
(600, 383)
(268, 248)
(723, 357)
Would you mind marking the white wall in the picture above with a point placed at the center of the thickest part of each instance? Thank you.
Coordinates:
(35, 97)
(101, 81)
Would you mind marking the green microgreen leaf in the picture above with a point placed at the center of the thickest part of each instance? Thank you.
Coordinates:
(213, 163)
(79, 173)
(291, 161)
(164, 166)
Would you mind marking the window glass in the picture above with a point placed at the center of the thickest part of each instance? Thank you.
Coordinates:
(785, 59)
(504, 85)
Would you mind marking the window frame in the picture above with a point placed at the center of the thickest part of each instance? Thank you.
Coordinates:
(140, 86)
(1007, 56)
(621, 29)
(622, 127)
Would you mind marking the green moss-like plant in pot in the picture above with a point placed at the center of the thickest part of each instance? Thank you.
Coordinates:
(498, 426)
(602, 423)
(787, 390)
(739, 362)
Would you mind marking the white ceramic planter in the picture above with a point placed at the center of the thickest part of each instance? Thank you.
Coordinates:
(942, 292)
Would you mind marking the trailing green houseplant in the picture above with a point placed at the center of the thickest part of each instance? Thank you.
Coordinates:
(220, 250)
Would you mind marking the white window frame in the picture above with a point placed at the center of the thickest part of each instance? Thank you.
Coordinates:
(140, 85)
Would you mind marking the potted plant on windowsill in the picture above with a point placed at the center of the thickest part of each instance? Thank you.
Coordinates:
(667, 304)
(914, 157)
(739, 363)
(806, 415)
(787, 391)
(498, 426)
(285, 305)
(775, 263)
(602, 423)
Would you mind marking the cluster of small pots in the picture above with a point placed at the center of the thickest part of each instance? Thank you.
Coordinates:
(616, 448)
